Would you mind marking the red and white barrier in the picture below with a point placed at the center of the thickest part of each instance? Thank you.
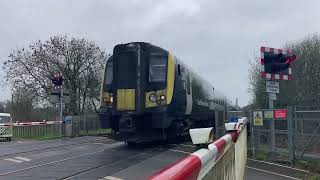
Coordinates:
(6, 124)
(198, 164)
(40, 123)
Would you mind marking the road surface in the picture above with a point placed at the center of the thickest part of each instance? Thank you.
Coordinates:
(95, 158)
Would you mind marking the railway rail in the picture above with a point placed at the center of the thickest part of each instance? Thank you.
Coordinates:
(89, 158)
(49, 148)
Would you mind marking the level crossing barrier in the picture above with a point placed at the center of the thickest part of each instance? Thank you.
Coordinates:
(224, 158)
(37, 129)
(75, 126)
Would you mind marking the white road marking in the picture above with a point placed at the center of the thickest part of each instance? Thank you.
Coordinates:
(22, 158)
(273, 173)
(99, 143)
(278, 165)
(13, 160)
(110, 178)
(62, 160)
(187, 145)
(184, 152)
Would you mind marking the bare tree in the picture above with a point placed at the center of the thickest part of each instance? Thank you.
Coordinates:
(81, 62)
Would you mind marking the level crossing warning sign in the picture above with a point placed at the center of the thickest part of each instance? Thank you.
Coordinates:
(258, 120)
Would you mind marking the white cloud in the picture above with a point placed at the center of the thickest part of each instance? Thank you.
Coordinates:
(160, 12)
(216, 38)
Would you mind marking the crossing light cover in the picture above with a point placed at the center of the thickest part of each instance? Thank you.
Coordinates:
(275, 63)
(57, 80)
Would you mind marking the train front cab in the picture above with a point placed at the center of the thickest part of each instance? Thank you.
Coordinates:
(137, 89)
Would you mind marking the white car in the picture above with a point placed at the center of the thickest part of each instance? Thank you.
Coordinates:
(6, 126)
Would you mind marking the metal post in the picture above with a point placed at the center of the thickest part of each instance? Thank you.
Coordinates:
(273, 136)
(61, 100)
(290, 133)
(252, 133)
(216, 121)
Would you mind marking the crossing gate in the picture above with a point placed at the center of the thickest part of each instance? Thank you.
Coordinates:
(224, 159)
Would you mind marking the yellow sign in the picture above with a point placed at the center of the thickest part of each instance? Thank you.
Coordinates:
(268, 114)
(258, 120)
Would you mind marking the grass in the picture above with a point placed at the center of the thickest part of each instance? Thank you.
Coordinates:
(95, 132)
(313, 166)
(314, 177)
(282, 157)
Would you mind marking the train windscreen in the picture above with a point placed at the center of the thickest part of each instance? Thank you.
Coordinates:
(109, 73)
(158, 69)
(126, 70)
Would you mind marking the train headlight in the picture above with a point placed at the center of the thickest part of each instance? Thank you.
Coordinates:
(111, 99)
(153, 97)
(162, 97)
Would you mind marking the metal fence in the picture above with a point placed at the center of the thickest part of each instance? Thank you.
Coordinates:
(295, 136)
(77, 126)
(307, 133)
(87, 125)
(32, 130)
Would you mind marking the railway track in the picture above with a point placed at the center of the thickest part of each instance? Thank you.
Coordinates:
(54, 162)
(107, 164)
(89, 159)
(53, 147)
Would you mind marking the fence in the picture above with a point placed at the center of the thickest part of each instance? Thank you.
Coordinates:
(286, 138)
(37, 129)
(87, 125)
(225, 158)
(80, 126)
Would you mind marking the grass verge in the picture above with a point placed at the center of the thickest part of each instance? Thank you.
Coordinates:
(282, 157)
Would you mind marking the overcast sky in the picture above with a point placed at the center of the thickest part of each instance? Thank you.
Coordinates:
(216, 38)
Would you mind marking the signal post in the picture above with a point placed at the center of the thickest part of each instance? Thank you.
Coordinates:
(275, 66)
(57, 80)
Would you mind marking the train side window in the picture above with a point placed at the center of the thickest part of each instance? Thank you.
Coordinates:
(188, 85)
(109, 73)
(179, 70)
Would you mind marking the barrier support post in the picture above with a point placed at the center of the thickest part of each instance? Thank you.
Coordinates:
(290, 134)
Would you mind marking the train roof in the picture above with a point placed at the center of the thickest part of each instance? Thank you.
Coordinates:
(143, 45)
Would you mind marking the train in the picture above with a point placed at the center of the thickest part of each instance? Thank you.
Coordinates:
(148, 94)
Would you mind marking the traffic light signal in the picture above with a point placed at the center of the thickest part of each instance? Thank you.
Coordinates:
(275, 63)
(57, 80)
